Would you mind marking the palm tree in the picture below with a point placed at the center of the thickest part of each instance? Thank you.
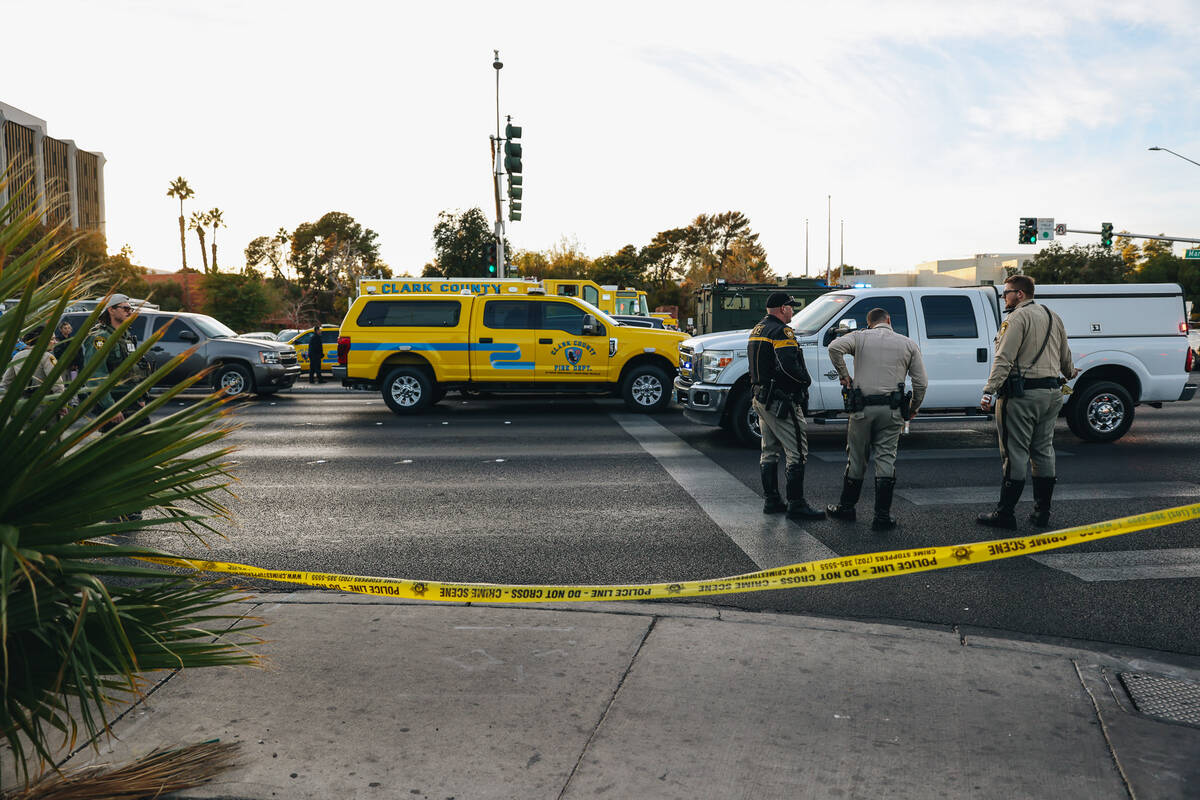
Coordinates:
(216, 218)
(179, 188)
(81, 622)
(199, 223)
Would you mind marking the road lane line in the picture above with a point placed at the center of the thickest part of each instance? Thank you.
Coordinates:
(769, 540)
(1127, 565)
(957, 495)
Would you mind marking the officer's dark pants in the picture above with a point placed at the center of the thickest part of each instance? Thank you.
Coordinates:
(314, 368)
(1025, 430)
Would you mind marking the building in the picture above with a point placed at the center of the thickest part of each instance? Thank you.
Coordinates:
(983, 268)
(66, 183)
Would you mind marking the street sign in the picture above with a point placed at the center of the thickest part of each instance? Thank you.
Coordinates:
(1060, 229)
(1192, 253)
(1045, 228)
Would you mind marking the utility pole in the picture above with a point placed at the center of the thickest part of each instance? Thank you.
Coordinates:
(842, 253)
(497, 167)
(806, 247)
(828, 235)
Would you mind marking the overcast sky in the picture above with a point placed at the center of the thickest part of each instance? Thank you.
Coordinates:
(933, 125)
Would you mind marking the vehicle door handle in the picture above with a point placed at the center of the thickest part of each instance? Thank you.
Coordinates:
(545, 341)
(485, 340)
(981, 354)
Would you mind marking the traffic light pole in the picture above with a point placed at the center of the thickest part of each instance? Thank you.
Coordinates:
(497, 164)
(1141, 236)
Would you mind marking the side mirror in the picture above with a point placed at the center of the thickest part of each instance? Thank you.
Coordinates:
(188, 336)
(846, 325)
(591, 326)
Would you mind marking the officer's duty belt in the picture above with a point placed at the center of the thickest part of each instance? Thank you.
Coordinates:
(878, 399)
(1041, 383)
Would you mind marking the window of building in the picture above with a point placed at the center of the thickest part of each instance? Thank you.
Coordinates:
(949, 317)
(409, 314)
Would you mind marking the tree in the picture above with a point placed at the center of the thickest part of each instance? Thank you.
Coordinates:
(216, 218)
(240, 301)
(330, 255)
(179, 188)
(199, 224)
(623, 268)
(1077, 264)
(267, 253)
(459, 241)
(723, 246)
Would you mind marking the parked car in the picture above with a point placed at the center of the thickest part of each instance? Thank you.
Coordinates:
(639, 322)
(265, 335)
(239, 365)
(329, 343)
(287, 334)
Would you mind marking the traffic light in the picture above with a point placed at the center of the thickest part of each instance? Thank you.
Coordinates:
(1028, 231)
(1106, 237)
(512, 165)
(487, 261)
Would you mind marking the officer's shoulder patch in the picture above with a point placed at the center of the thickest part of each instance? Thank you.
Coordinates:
(1003, 327)
(788, 333)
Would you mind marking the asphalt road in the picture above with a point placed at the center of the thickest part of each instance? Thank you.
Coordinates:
(580, 491)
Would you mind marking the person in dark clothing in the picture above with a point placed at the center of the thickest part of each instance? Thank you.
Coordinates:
(316, 352)
(780, 384)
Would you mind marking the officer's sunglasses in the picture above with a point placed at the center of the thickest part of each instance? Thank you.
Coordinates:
(125, 308)
(1007, 292)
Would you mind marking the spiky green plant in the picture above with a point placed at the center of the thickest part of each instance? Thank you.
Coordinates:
(80, 620)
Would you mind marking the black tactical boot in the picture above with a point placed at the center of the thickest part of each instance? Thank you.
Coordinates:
(772, 502)
(798, 508)
(851, 489)
(884, 487)
(1043, 490)
(1003, 516)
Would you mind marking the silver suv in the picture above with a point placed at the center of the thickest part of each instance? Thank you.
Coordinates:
(240, 365)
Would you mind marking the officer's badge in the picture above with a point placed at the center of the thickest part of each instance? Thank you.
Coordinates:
(99, 342)
(573, 354)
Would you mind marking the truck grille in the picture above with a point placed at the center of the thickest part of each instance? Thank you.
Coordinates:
(686, 364)
(287, 357)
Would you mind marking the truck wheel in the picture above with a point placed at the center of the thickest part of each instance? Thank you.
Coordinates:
(744, 420)
(1100, 412)
(408, 390)
(235, 379)
(646, 389)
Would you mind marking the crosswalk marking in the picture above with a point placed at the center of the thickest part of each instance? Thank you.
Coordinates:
(769, 541)
(1127, 565)
(838, 456)
(959, 495)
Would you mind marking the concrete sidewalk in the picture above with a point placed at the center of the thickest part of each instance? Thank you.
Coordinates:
(369, 698)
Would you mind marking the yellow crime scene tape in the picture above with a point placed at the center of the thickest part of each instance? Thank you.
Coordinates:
(843, 569)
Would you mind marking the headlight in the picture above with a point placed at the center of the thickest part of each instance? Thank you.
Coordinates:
(269, 356)
(711, 362)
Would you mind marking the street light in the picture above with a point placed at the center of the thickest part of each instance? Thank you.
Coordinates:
(1172, 152)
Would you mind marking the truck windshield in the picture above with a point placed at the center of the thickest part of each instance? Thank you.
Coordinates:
(814, 315)
(211, 328)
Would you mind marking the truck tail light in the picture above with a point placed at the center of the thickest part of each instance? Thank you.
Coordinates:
(343, 350)
(1183, 328)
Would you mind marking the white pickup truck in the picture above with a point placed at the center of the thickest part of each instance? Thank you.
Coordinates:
(1129, 342)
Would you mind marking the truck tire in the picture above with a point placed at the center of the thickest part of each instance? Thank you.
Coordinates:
(1100, 411)
(646, 389)
(408, 390)
(235, 379)
(744, 419)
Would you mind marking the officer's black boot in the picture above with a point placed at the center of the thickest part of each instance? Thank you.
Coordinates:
(1003, 516)
(1043, 490)
(772, 502)
(798, 508)
(851, 489)
(884, 488)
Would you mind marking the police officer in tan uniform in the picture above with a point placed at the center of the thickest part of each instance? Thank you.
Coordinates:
(1031, 352)
(780, 384)
(882, 361)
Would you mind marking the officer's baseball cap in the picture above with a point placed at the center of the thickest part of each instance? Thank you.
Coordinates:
(780, 299)
(116, 300)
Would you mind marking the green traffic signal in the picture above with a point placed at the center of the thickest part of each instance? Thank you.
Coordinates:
(1106, 234)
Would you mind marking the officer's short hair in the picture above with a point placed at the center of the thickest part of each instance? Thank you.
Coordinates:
(1022, 283)
(876, 316)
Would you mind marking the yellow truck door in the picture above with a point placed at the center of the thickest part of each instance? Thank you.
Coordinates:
(502, 340)
(564, 353)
